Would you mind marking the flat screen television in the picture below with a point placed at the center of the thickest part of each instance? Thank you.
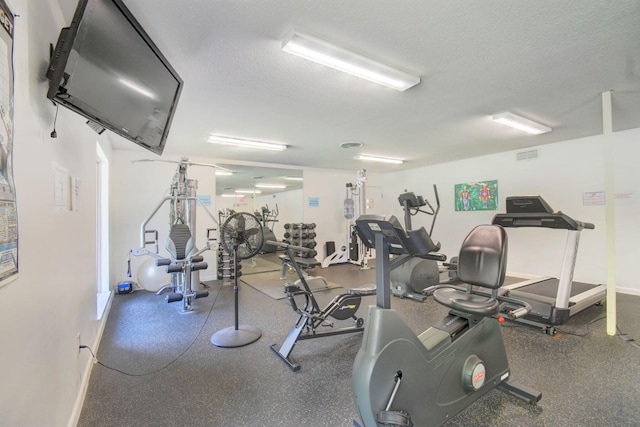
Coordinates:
(106, 68)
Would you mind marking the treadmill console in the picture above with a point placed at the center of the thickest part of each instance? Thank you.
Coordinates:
(527, 204)
(534, 211)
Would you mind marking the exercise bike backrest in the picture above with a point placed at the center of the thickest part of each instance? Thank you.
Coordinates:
(482, 263)
(483, 257)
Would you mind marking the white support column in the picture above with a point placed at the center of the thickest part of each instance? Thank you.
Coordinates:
(610, 212)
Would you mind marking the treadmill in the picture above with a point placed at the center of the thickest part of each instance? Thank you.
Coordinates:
(553, 300)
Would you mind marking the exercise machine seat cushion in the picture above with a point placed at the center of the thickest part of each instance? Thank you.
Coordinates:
(483, 257)
(180, 243)
(482, 262)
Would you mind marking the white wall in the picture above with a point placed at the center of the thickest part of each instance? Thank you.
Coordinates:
(561, 175)
(329, 187)
(54, 297)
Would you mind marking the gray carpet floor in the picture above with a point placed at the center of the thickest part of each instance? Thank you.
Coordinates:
(163, 370)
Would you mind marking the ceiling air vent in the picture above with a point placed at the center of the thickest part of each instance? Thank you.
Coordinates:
(527, 155)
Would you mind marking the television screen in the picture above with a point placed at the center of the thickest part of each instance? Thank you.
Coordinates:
(106, 68)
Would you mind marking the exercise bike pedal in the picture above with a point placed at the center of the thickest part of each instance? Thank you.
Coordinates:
(394, 418)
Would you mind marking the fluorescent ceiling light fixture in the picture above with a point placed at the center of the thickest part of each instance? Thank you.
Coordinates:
(294, 178)
(223, 173)
(379, 159)
(271, 186)
(138, 88)
(249, 191)
(317, 50)
(239, 142)
(232, 195)
(520, 123)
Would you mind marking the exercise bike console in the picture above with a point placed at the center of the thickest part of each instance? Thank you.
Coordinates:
(402, 379)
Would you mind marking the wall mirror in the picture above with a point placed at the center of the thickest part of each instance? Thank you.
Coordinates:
(273, 193)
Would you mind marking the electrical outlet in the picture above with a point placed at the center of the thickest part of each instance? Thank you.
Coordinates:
(78, 343)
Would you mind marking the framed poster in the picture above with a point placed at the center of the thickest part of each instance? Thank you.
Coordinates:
(8, 210)
(476, 196)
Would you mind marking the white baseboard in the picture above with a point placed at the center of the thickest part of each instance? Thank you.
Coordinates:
(627, 291)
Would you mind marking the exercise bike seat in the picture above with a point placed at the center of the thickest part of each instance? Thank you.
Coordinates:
(481, 263)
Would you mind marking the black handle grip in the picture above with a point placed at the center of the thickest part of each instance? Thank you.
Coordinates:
(163, 261)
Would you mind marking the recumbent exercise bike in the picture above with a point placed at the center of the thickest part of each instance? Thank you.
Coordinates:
(310, 316)
(402, 379)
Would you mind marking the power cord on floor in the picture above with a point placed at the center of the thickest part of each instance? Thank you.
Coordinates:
(560, 332)
(96, 361)
(588, 327)
(627, 338)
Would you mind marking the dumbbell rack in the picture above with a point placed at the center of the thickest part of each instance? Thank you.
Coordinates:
(301, 234)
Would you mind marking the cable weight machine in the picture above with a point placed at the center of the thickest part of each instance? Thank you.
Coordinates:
(185, 260)
(355, 204)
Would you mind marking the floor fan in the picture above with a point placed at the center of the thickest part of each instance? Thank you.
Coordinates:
(241, 234)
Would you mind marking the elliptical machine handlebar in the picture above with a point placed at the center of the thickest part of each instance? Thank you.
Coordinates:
(410, 202)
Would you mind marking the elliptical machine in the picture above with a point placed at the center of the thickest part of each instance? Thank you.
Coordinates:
(402, 379)
(268, 219)
(410, 275)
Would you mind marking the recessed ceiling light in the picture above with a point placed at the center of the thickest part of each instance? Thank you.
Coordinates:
(293, 178)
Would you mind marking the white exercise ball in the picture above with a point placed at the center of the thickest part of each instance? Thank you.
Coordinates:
(152, 277)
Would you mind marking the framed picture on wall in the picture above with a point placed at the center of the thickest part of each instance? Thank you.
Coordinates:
(476, 196)
(8, 200)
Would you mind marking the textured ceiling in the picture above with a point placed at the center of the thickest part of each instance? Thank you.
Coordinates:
(546, 60)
